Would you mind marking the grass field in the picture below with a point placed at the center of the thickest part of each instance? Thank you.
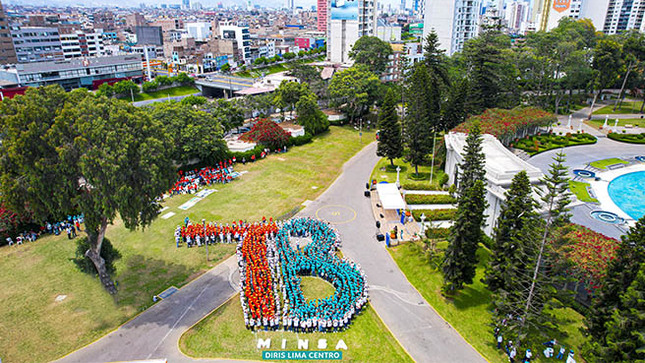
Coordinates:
(35, 328)
(636, 122)
(580, 191)
(625, 107)
(223, 335)
(383, 171)
(470, 311)
(275, 68)
(174, 91)
(604, 163)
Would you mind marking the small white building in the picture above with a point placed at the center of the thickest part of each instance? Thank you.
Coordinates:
(501, 166)
(201, 31)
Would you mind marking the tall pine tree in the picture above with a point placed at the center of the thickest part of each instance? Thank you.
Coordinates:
(625, 340)
(390, 144)
(465, 235)
(422, 108)
(620, 274)
(508, 255)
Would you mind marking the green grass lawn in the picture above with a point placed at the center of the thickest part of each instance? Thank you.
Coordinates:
(383, 171)
(625, 107)
(470, 311)
(275, 68)
(603, 164)
(35, 328)
(173, 91)
(551, 141)
(636, 122)
(579, 189)
(223, 335)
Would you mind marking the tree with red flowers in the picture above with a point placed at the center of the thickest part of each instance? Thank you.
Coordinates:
(268, 133)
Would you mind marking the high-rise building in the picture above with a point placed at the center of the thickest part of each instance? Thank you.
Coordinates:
(454, 21)
(241, 35)
(322, 11)
(289, 5)
(621, 15)
(516, 13)
(402, 5)
(36, 44)
(185, 4)
(348, 21)
(7, 52)
(547, 13)
(201, 31)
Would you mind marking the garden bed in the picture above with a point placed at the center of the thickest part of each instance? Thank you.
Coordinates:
(429, 199)
(579, 189)
(543, 142)
(435, 214)
(628, 138)
(604, 164)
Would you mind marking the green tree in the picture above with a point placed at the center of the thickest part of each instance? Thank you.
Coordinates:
(460, 259)
(435, 58)
(465, 235)
(508, 254)
(193, 100)
(150, 86)
(371, 52)
(98, 156)
(289, 55)
(310, 76)
(422, 107)
(390, 143)
(123, 89)
(621, 272)
(226, 68)
(455, 109)
(354, 90)
(196, 134)
(184, 79)
(625, 340)
(105, 90)
(483, 59)
(229, 113)
(607, 61)
(310, 116)
(288, 94)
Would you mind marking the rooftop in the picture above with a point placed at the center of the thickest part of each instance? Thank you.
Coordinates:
(64, 65)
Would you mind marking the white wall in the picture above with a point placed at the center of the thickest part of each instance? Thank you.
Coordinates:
(342, 36)
(439, 17)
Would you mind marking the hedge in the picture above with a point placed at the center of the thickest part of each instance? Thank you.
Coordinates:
(629, 138)
(434, 214)
(429, 199)
(434, 233)
(418, 185)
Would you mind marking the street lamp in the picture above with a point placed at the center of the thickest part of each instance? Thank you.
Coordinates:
(204, 225)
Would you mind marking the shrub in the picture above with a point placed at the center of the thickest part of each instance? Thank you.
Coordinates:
(429, 199)
(300, 140)
(108, 252)
(164, 81)
(267, 133)
(629, 138)
(150, 86)
(437, 233)
(434, 214)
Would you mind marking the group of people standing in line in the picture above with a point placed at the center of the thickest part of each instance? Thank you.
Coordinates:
(191, 181)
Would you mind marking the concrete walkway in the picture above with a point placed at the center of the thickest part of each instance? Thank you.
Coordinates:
(421, 331)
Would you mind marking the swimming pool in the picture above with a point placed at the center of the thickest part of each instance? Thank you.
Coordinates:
(628, 192)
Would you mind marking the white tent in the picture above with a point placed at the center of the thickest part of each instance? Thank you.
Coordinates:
(390, 196)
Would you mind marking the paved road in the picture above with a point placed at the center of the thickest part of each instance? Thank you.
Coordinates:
(175, 98)
(425, 335)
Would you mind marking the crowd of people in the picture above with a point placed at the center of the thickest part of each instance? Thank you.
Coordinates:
(511, 350)
(191, 181)
(197, 235)
(71, 225)
(270, 269)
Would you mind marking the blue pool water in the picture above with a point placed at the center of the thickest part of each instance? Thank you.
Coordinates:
(628, 192)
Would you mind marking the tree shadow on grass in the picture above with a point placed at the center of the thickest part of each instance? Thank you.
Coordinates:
(469, 298)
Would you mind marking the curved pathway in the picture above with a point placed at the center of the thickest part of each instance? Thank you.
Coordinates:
(421, 331)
